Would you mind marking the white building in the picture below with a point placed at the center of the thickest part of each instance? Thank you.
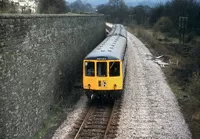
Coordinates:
(26, 5)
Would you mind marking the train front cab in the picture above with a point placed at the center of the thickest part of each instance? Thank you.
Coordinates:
(102, 77)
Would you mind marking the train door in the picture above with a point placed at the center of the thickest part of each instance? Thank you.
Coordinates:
(102, 75)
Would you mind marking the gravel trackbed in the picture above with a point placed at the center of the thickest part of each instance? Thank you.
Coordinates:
(149, 107)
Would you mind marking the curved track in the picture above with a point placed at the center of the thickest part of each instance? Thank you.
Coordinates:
(99, 122)
(149, 108)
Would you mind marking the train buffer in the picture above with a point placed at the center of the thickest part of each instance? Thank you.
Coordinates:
(78, 85)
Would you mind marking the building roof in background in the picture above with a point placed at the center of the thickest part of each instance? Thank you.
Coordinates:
(32, 4)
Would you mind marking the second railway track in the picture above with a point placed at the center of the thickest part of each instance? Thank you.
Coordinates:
(99, 122)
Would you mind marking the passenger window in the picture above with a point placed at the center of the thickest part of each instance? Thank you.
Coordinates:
(89, 68)
(114, 68)
(101, 69)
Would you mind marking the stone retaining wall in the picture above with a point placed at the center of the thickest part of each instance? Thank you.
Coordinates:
(40, 56)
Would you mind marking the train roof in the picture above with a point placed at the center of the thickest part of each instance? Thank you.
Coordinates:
(112, 48)
(118, 29)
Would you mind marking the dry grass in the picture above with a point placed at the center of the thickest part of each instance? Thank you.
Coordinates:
(57, 115)
(149, 38)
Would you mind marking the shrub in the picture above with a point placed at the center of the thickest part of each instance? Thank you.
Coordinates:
(149, 38)
(164, 24)
(144, 34)
(7, 7)
(190, 36)
(52, 6)
(194, 86)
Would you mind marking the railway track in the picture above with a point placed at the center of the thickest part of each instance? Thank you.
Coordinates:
(99, 122)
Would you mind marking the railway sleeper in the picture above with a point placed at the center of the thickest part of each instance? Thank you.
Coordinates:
(96, 131)
(111, 136)
(98, 120)
(113, 127)
(112, 132)
(98, 124)
(95, 126)
(93, 137)
(99, 116)
(91, 134)
(114, 122)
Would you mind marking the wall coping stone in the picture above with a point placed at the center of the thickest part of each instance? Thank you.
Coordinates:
(6, 16)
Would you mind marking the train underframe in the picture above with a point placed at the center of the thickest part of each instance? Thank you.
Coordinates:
(93, 94)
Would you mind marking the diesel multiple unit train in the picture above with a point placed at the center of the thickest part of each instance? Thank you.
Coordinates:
(104, 67)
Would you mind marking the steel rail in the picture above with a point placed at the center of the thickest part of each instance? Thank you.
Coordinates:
(91, 110)
(109, 122)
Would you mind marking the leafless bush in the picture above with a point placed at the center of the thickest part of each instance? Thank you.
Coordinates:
(164, 24)
(194, 86)
(147, 36)
(150, 38)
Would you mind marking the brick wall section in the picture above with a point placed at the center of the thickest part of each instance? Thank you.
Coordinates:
(39, 55)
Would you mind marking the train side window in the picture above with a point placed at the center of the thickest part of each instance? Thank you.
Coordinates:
(102, 69)
(89, 68)
(114, 68)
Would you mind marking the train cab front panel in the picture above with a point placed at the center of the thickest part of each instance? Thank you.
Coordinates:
(102, 75)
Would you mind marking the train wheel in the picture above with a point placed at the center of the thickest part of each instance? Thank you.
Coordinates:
(88, 95)
(118, 94)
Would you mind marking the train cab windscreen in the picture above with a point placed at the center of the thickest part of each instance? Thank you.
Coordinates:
(101, 69)
(114, 69)
(89, 68)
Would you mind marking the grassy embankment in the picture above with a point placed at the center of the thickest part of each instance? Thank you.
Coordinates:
(183, 81)
(57, 114)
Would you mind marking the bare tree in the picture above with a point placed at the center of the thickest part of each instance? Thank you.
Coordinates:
(79, 6)
(53, 6)
(115, 10)
(7, 7)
